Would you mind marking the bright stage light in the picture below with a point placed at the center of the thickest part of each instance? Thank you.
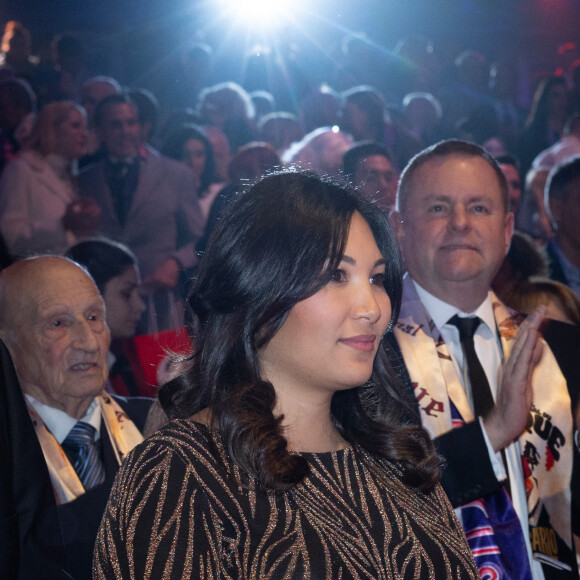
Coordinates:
(264, 14)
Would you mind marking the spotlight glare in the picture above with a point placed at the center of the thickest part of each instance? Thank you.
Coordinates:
(258, 13)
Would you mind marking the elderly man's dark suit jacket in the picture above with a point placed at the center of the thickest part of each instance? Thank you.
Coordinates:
(80, 518)
(31, 545)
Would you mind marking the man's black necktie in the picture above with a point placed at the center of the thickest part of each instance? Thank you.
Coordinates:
(123, 178)
(480, 391)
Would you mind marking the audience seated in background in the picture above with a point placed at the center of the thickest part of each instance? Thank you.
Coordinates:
(504, 89)
(321, 151)
(264, 104)
(365, 117)
(364, 114)
(250, 163)
(17, 104)
(533, 219)
(320, 108)
(511, 169)
(222, 152)
(62, 76)
(149, 203)
(465, 89)
(115, 271)
(280, 130)
(228, 107)
(568, 146)
(191, 145)
(148, 109)
(545, 123)
(137, 365)
(16, 55)
(52, 320)
(40, 209)
(522, 282)
(423, 115)
(561, 303)
(93, 91)
(368, 166)
(562, 202)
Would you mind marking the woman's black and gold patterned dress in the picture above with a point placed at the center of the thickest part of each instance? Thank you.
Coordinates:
(178, 510)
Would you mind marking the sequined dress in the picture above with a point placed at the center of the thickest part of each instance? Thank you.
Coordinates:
(178, 509)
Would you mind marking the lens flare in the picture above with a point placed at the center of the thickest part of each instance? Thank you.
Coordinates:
(259, 14)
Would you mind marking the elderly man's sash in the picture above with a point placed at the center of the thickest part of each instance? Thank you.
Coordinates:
(123, 435)
(546, 447)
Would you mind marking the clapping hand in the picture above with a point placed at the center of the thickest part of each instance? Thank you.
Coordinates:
(508, 419)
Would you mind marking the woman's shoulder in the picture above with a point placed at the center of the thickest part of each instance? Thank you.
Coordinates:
(178, 434)
(183, 441)
(182, 459)
(30, 159)
(27, 161)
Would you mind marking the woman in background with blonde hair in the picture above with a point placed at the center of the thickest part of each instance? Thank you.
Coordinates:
(39, 208)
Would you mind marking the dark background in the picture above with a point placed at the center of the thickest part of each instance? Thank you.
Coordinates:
(149, 33)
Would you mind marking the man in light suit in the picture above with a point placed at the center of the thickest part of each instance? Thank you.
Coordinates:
(147, 201)
(52, 322)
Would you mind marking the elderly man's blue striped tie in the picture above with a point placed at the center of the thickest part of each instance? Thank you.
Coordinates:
(83, 454)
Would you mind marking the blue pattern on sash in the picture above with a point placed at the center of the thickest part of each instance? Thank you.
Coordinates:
(494, 533)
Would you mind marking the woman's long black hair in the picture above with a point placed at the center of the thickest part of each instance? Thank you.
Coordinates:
(276, 245)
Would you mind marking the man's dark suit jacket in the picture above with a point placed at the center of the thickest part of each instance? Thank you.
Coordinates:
(31, 545)
(81, 517)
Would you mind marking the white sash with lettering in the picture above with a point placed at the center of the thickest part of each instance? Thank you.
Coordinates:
(123, 435)
(546, 448)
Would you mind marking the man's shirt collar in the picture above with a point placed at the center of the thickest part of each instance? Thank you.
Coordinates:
(60, 423)
(441, 311)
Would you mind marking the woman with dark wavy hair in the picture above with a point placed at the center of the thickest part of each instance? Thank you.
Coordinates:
(291, 453)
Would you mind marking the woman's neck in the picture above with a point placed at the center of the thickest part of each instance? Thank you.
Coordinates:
(308, 425)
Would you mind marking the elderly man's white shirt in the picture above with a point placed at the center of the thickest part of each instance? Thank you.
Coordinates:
(60, 423)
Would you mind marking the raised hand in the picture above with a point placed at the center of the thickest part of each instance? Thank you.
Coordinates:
(509, 417)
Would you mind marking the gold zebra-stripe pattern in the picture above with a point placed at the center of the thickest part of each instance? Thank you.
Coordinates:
(179, 510)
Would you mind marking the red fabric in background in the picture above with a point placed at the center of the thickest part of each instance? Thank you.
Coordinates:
(146, 353)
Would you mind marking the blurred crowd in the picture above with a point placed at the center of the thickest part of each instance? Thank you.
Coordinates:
(129, 182)
(364, 122)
